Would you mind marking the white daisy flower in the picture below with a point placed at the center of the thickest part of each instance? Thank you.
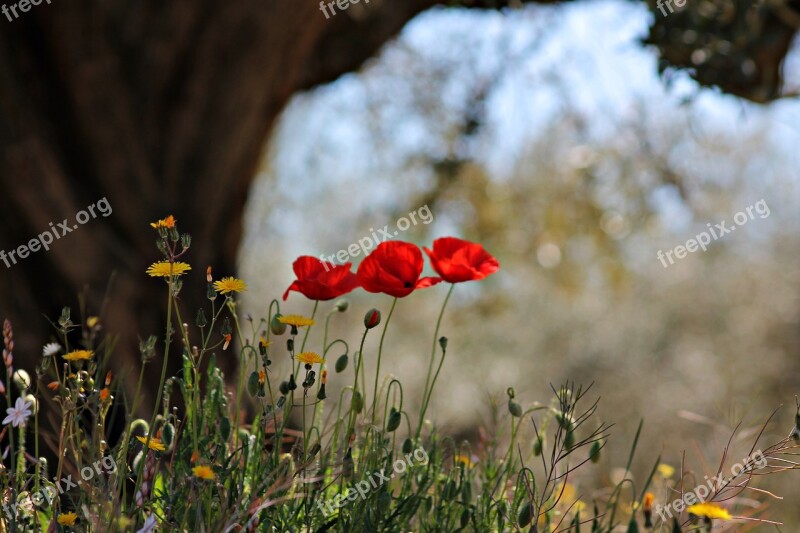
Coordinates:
(18, 414)
(51, 349)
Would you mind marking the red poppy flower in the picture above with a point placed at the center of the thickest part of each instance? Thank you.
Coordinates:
(321, 281)
(394, 268)
(457, 260)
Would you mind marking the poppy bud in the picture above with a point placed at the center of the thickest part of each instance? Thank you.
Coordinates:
(594, 453)
(284, 387)
(443, 342)
(167, 434)
(538, 445)
(407, 446)
(252, 384)
(342, 305)
(357, 402)
(569, 440)
(394, 420)
(372, 318)
(514, 408)
(341, 363)
(525, 515)
(276, 326)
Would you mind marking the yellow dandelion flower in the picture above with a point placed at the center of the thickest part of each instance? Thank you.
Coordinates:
(297, 321)
(78, 355)
(165, 269)
(167, 223)
(464, 459)
(709, 510)
(264, 342)
(666, 470)
(67, 519)
(230, 284)
(203, 472)
(155, 444)
(310, 358)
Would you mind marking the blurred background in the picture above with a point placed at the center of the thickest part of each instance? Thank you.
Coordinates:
(547, 135)
(573, 140)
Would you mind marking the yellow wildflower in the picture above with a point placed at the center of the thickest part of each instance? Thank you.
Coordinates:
(709, 510)
(78, 355)
(310, 358)
(167, 223)
(155, 444)
(230, 284)
(165, 269)
(297, 321)
(67, 519)
(203, 472)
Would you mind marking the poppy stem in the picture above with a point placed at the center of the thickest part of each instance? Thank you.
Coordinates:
(378, 369)
(428, 383)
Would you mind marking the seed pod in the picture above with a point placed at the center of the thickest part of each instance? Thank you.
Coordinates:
(341, 363)
(394, 420)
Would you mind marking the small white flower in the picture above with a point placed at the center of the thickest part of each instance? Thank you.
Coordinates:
(51, 349)
(149, 525)
(18, 414)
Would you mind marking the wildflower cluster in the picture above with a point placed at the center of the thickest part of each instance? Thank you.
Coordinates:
(271, 451)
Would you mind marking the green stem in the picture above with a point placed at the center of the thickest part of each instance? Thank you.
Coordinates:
(167, 343)
(433, 356)
(378, 368)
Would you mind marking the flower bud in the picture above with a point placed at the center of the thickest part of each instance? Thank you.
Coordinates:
(357, 402)
(22, 380)
(342, 305)
(252, 384)
(321, 395)
(341, 363)
(394, 420)
(201, 319)
(594, 453)
(276, 326)
(372, 318)
(284, 387)
(443, 342)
